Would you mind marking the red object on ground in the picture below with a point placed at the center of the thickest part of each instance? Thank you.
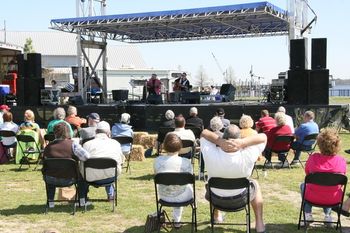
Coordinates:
(10, 79)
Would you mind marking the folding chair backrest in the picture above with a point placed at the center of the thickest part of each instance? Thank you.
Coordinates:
(228, 183)
(100, 163)
(162, 132)
(7, 133)
(25, 138)
(86, 140)
(196, 131)
(310, 137)
(187, 143)
(55, 166)
(283, 140)
(326, 179)
(123, 139)
(49, 137)
(174, 178)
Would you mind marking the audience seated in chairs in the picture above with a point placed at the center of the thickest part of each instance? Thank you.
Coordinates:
(3, 108)
(184, 134)
(233, 159)
(193, 119)
(58, 116)
(327, 160)
(279, 130)
(72, 117)
(9, 142)
(306, 128)
(169, 119)
(62, 147)
(89, 132)
(265, 123)
(102, 146)
(171, 162)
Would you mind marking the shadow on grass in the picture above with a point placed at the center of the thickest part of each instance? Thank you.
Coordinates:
(145, 177)
(187, 228)
(40, 209)
(289, 227)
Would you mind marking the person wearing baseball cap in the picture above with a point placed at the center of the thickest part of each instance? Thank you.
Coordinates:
(89, 132)
(220, 112)
(3, 108)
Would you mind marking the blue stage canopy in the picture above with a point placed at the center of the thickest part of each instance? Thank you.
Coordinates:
(243, 20)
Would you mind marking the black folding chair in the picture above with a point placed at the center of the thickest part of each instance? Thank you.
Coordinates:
(281, 140)
(102, 164)
(53, 167)
(196, 130)
(25, 139)
(323, 179)
(161, 135)
(8, 134)
(175, 178)
(49, 137)
(229, 184)
(308, 149)
(188, 144)
(126, 140)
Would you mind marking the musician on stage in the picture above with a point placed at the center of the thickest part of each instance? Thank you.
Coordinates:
(154, 85)
(182, 83)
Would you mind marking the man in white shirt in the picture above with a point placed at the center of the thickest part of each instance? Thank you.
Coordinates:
(102, 146)
(236, 164)
(289, 119)
(184, 134)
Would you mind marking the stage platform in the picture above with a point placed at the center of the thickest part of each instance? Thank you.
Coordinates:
(145, 117)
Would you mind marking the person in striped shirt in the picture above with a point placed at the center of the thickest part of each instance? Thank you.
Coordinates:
(265, 123)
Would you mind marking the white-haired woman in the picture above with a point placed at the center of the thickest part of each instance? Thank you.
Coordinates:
(123, 129)
(246, 123)
(170, 119)
(280, 129)
(58, 116)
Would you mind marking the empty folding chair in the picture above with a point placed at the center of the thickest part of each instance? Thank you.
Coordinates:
(28, 147)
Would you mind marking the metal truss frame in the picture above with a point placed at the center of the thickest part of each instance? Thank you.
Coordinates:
(235, 21)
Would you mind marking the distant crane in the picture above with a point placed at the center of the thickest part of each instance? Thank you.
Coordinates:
(219, 66)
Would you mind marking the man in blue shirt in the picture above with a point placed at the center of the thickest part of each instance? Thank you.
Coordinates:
(307, 128)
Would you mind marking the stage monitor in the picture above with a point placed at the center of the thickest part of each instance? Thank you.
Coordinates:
(120, 95)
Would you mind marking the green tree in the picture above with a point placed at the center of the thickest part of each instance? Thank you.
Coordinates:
(28, 46)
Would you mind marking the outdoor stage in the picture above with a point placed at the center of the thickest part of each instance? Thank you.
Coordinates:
(145, 117)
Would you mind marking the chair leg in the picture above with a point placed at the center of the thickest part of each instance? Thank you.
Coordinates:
(212, 218)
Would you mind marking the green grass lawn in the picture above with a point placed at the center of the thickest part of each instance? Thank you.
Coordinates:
(339, 100)
(23, 197)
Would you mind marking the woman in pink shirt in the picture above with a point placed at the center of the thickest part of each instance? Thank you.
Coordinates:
(327, 160)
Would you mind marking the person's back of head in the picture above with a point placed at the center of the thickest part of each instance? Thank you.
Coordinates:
(280, 118)
(169, 115)
(220, 112)
(281, 109)
(7, 116)
(180, 122)
(72, 110)
(216, 124)
(231, 132)
(264, 113)
(61, 131)
(309, 116)
(125, 118)
(172, 143)
(328, 141)
(246, 122)
(59, 113)
(103, 127)
(193, 111)
(29, 115)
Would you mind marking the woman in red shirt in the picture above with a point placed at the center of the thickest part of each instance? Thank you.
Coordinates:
(327, 160)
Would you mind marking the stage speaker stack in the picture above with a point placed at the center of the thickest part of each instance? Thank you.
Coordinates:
(228, 92)
(30, 81)
(308, 86)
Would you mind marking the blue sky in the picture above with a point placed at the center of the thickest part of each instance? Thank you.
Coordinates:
(268, 55)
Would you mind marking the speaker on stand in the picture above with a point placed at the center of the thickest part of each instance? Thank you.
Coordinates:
(298, 54)
(228, 92)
